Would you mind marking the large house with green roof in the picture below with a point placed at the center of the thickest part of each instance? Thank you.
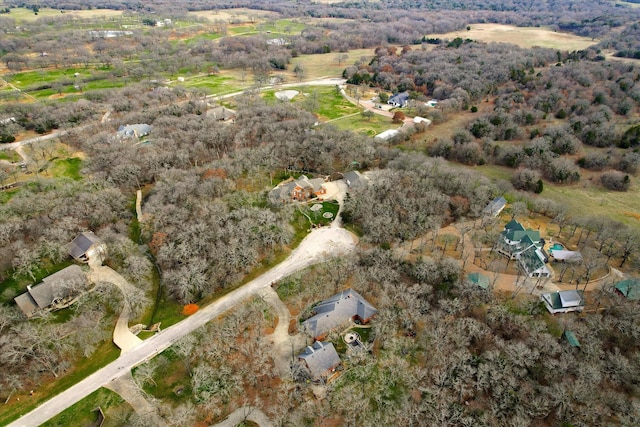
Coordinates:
(526, 246)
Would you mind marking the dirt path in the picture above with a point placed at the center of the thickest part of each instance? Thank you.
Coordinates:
(283, 343)
(246, 413)
(129, 391)
(122, 336)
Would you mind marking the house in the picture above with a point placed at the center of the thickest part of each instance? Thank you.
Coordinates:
(399, 99)
(301, 189)
(133, 131)
(353, 179)
(56, 291)
(563, 301)
(387, 134)
(479, 280)
(533, 262)
(494, 207)
(629, 288)
(341, 308)
(87, 246)
(515, 239)
(321, 359)
(221, 113)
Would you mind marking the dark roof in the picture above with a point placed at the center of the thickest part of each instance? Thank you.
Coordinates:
(82, 243)
(399, 98)
(530, 259)
(514, 225)
(337, 310)
(320, 358)
(495, 206)
(353, 178)
(630, 288)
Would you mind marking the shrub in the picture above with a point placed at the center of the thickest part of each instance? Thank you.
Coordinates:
(615, 180)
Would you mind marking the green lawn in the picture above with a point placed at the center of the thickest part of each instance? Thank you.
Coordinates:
(30, 78)
(6, 195)
(82, 414)
(317, 216)
(370, 127)
(213, 84)
(10, 155)
(69, 168)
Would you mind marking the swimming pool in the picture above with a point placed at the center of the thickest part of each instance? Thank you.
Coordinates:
(557, 247)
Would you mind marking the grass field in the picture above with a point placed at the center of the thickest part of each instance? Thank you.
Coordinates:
(584, 198)
(359, 124)
(82, 414)
(234, 15)
(522, 36)
(25, 15)
(326, 65)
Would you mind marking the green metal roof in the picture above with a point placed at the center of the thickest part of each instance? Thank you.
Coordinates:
(479, 280)
(530, 259)
(514, 225)
(630, 288)
(571, 339)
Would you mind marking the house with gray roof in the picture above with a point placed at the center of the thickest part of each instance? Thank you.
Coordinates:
(563, 301)
(337, 310)
(494, 207)
(399, 99)
(321, 359)
(133, 131)
(353, 179)
(221, 113)
(87, 246)
(56, 291)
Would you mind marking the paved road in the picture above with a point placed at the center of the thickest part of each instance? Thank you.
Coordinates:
(318, 246)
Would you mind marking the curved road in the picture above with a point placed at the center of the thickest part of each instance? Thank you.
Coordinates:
(319, 245)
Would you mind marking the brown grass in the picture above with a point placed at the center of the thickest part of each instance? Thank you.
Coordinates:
(522, 36)
(325, 65)
(241, 14)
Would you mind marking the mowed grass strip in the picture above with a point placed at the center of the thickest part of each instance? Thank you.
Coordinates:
(525, 37)
(84, 413)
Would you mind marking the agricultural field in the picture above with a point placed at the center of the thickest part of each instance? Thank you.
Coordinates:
(525, 37)
(327, 64)
(21, 14)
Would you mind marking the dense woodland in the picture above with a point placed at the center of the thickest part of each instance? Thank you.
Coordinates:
(442, 353)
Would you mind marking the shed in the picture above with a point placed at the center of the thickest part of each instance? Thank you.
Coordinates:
(387, 134)
(495, 207)
(629, 288)
(479, 280)
(85, 246)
